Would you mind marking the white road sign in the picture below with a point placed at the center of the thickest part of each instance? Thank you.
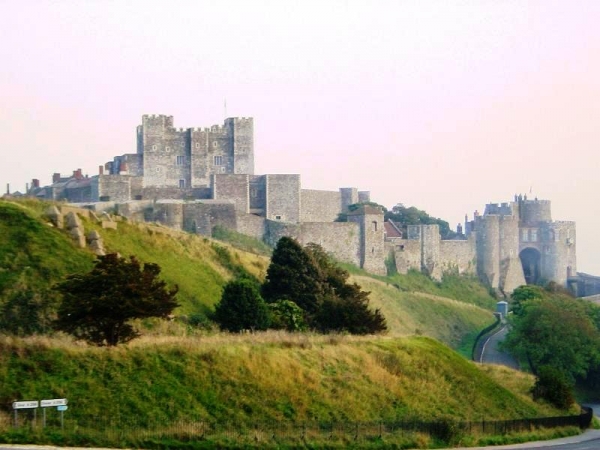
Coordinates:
(26, 404)
(53, 402)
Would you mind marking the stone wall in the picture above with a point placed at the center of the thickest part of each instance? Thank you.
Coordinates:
(258, 195)
(169, 213)
(458, 255)
(202, 217)
(241, 132)
(138, 211)
(406, 253)
(115, 188)
(558, 251)
(234, 188)
(532, 212)
(282, 198)
(186, 158)
(488, 249)
(251, 225)
(319, 206)
(372, 247)
(431, 262)
(341, 239)
(349, 197)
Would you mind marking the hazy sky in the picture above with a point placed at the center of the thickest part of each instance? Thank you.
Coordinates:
(444, 105)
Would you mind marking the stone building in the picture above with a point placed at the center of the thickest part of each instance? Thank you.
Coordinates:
(511, 244)
(197, 178)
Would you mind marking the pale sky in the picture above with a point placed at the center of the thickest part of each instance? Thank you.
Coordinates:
(443, 105)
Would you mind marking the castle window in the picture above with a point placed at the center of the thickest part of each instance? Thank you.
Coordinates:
(157, 169)
(181, 184)
(154, 147)
(277, 217)
(180, 160)
(533, 235)
(215, 144)
(197, 144)
(525, 235)
(218, 160)
(374, 226)
(167, 148)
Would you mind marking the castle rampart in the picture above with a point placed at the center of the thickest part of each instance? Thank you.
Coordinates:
(320, 206)
(198, 178)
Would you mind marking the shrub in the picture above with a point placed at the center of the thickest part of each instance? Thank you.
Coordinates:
(553, 386)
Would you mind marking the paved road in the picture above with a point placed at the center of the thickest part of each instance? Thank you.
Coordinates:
(491, 354)
(590, 440)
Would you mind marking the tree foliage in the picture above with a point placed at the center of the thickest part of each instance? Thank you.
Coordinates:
(311, 279)
(550, 329)
(404, 216)
(286, 315)
(98, 306)
(241, 307)
(553, 386)
(293, 275)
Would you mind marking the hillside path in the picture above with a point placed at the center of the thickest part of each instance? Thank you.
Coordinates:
(492, 354)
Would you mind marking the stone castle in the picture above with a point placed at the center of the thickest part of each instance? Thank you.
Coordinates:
(195, 179)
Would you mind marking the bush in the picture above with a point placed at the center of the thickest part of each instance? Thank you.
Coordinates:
(553, 386)
(242, 308)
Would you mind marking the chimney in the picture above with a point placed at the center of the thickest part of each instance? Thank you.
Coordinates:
(56, 177)
(123, 170)
(7, 188)
(35, 183)
(77, 174)
(100, 170)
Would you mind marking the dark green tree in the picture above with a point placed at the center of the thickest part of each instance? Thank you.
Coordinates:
(345, 306)
(241, 307)
(553, 386)
(98, 306)
(293, 275)
(524, 293)
(555, 331)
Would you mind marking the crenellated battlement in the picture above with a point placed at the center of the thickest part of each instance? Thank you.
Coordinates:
(502, 209)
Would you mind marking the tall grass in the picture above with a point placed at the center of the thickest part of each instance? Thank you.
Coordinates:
(261, 377)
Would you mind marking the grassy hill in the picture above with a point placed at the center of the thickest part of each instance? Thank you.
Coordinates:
(264, 378)
(176, 372)
(36, 255)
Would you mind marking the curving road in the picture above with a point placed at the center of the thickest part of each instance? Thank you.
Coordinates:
(492, 354)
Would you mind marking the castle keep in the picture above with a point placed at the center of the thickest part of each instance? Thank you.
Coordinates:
(195, 179)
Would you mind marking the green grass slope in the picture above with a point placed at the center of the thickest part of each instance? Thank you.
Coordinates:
(34, 255)
(266, 377)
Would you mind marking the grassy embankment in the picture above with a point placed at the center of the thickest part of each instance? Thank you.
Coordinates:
(264, 378)
(452, 311)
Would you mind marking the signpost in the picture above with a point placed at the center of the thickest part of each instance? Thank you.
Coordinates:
(61, 405)
(27, 404)
(53, 402)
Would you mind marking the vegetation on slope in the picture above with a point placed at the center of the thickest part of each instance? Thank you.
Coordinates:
(201, 267)
(268, 377)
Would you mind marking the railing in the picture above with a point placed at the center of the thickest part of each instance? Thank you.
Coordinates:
(129, 431)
